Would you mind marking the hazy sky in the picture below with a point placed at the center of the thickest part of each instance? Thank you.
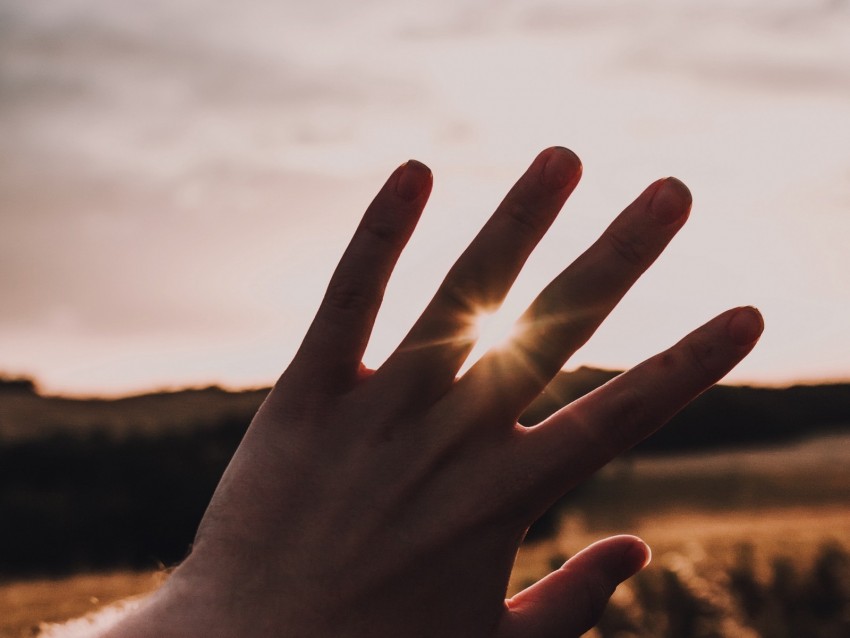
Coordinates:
(177, 179)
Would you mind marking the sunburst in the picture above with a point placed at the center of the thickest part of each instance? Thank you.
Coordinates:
(491, 330)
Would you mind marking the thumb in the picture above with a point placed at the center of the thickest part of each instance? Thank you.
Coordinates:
(570, 600)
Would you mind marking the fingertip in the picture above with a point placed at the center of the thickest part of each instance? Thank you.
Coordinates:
(619, 557)
(561, 168)
(413, 179)
(636, 556)
(745, 326)
(671, 200)
(628, 555)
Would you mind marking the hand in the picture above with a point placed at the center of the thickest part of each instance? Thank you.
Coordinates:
(392, 502)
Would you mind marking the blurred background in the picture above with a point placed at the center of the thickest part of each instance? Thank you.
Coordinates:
(178, 179)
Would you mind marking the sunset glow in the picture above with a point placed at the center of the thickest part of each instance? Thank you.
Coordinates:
(492, 331)
(175, 199)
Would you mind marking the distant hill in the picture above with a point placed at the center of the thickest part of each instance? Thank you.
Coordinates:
(17, 385)
(724, 416)
(26, 415)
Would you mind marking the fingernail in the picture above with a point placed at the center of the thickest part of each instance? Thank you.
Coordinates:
(745, 326)
(640, 556)
(413, 179)
(561, 167)
(635, 557)
(671, 201)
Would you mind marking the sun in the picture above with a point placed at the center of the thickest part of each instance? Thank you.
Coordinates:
(491, 330)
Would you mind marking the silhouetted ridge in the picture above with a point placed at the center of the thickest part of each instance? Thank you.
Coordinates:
(23, 385)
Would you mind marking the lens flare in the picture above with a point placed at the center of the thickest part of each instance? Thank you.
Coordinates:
(491, 330)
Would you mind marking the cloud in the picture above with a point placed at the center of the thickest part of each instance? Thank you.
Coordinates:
(751, 45)
(170, 169)
(138, 146)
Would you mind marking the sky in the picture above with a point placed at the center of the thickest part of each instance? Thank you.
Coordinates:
(178, 179)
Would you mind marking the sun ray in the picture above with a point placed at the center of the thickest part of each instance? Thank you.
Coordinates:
(491, 330)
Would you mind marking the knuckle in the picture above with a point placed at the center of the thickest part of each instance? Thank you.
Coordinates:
(631, 417)
(667, 361)
(458, 295)
(699, 353)
(625, 426)
(522, 218)
(628, 420)
(381, 230)
(348, 297)
(596, 593)
(627, 247)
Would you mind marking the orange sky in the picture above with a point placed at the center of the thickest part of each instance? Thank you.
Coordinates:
(178, 181)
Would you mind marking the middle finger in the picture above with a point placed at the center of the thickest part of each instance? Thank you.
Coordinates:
(435, 348)
(568, 311)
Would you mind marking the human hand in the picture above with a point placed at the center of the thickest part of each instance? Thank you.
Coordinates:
(392, 502)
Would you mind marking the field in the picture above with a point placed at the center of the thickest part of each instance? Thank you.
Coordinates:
(779, 573)
(746, 544)
(24, 605)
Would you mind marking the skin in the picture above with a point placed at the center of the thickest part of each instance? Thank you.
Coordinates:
(392, 502)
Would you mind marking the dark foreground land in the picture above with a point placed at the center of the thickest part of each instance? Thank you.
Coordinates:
(98, 484)
(744, 498)
(746, 544)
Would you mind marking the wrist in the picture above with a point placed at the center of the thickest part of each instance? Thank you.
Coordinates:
(199, 602)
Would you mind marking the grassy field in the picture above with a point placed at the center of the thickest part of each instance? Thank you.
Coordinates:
(746, 544)
(779, 573)
(24, 605)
